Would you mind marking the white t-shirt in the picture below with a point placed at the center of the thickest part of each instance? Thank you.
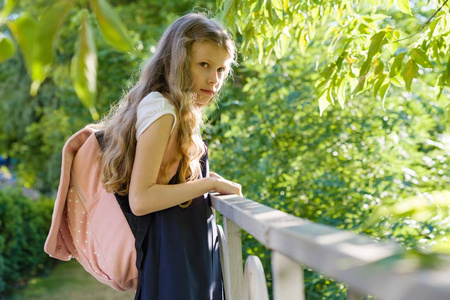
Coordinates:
(151, 108)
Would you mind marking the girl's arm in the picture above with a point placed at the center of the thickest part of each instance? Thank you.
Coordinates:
(145, 195)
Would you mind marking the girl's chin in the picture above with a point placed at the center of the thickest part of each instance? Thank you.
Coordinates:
(203, 101)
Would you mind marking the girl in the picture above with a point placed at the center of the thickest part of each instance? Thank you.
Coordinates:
(155, 161)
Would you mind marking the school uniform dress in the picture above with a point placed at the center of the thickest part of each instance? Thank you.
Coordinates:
(177, 248)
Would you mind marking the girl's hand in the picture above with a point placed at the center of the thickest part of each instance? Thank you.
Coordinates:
(225, 187)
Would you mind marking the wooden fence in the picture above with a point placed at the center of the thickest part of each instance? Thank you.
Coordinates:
(367, 266)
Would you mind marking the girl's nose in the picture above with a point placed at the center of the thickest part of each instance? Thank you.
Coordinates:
(213, 77)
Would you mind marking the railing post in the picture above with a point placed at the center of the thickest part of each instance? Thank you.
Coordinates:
(255, 286)
(233, 258)
(287, 278)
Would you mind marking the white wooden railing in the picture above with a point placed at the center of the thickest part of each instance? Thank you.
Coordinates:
(356, 260)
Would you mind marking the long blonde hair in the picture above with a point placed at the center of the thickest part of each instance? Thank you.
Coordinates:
(167, 71)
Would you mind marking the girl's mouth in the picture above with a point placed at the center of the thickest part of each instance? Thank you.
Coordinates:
(208, 92)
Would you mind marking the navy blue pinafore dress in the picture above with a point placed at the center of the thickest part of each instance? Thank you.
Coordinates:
(178, 255)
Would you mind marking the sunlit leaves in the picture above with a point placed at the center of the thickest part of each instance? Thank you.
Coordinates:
(303, 40)
(397, 64)
(423, 208)
(8, 6)
(403, 6)
(338, 168)
(341, 92)
(323, 103)
(444, 79)
(282, 44)
(49, 26)
(111, 26)
(377, 41)
(370, 34)
(7, 48)
(83, 69)
(409, 73)
(420, 58)
(383, 92)
(37, 40)
(24, 28)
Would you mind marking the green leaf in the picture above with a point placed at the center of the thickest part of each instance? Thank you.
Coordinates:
(379, 67)
(396, 65)
(340, 59)
(365, 67)
(83, 68)
(8, 6)
(341, 92)
(111, 26)
(378, 84)
(303, 40)
(403, 6)
(330, 97)
(37, 40)
(323, 103)
(361, 85)
(420, 58)
(353, 81)
(447, 72)
(25, 29)
(443, 79)
(48, 29)
(260, 41)
(377, 42)
(398, 81)
(433, 25)
(440, 84)
(282, 44)
(383, 92)
(227, 5)
(329, 71)
(7, 48)
(409, 73)
(278, 7)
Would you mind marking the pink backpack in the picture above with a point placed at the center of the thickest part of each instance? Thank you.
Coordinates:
(87, 221)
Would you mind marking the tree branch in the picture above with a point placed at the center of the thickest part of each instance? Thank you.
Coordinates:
(423, 26)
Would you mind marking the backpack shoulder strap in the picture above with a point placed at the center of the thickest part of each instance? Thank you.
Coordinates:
(100, 139)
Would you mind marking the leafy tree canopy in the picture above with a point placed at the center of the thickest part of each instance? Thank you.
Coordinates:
(368, 45)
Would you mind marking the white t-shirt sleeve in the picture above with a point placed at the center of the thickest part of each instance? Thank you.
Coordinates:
(151, 108)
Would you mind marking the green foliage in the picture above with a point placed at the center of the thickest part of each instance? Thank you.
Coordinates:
(335, 169)
(24, 226)
(362, 41)
(83, 69)
(111, 26)
(7, 48)
(37, 39)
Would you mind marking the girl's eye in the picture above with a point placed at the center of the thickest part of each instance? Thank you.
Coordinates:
(220, 70)
(204, 65)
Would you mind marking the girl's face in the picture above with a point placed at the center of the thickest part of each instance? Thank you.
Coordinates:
(209, 67)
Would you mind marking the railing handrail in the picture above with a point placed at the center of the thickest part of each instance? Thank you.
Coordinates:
(357, 260)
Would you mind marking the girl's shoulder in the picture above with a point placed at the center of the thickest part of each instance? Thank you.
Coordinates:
(152, 107)
(155, 101)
